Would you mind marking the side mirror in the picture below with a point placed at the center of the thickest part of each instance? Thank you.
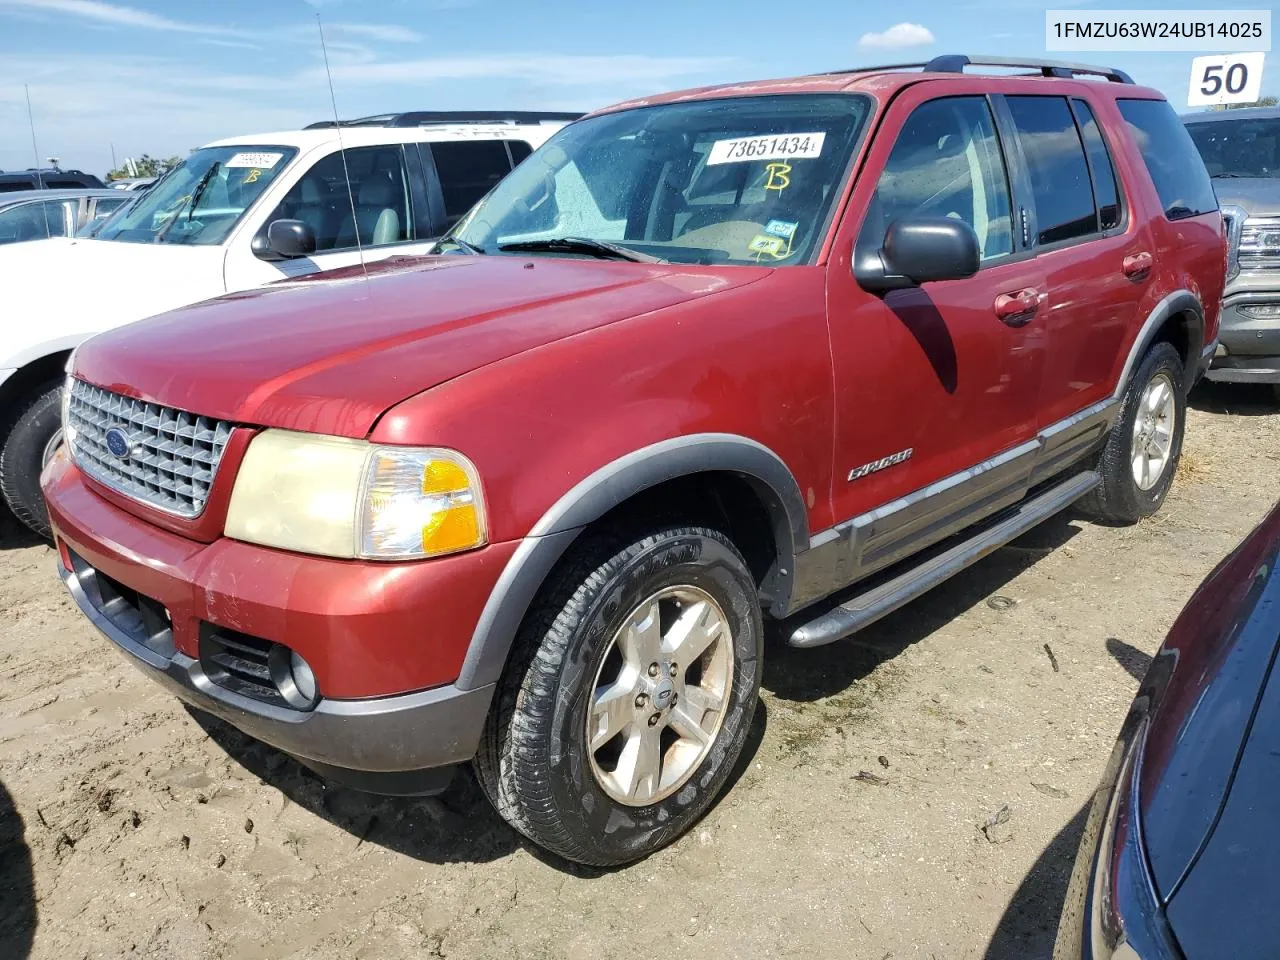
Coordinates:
(918, 251)
(285, 240)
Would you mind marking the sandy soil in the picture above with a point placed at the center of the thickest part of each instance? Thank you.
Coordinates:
(130, 827)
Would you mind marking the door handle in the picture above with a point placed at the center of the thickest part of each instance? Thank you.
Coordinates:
(1136, 266)
(1016, 309)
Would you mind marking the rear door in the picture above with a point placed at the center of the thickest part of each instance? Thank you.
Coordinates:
(461, 172)
(932, 382)
(1095, 256)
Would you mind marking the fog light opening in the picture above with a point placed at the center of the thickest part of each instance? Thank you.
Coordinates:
(303, 678)
(293, 677)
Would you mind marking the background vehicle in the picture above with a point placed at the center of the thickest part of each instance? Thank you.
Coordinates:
(203, 230)
(41, 214)
(1241, 149)
(132, 183)
(1178, 855)
(51, 178)
(716, 355)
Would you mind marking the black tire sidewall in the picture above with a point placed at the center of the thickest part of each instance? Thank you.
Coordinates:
(1132, 499)
(21, 454)
(621, 833)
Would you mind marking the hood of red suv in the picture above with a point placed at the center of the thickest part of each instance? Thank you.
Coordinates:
(332, 352)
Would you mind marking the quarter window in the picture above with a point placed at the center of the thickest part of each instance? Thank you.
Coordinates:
(1056, 164)
(946, 163)
(1176, 169)
(1105, 192)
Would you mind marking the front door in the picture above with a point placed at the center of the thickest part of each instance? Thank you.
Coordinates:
(936, 386)
(381, 216)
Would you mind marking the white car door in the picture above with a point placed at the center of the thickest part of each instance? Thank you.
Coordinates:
(376, 219)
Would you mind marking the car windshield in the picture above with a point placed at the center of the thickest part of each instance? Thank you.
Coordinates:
(1239, 148)
(199, 201)
(743, 180)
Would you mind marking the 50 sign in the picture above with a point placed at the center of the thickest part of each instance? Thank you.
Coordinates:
(1225, 78)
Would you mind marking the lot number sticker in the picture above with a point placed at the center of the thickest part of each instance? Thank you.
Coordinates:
(263, 161)
(788, 146)
(1225, 78)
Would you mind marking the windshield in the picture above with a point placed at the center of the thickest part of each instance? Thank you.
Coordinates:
(200, 200)
(741, 180)
(1239, 148)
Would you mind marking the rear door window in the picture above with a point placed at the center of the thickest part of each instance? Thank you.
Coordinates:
(468, 169)
(1171, 157)
(1056, 164)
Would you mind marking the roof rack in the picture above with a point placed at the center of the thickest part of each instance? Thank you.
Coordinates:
(423, 118)
(956, 62)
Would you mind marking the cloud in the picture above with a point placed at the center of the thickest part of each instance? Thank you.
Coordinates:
(379, 33)
(898, 36)
(114, 15)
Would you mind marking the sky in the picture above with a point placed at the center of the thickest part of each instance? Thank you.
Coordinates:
(166, 76)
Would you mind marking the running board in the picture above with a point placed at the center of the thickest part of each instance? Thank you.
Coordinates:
(881, 600)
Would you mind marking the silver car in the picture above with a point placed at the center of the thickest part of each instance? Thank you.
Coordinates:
(1241, 149)
(38, 214)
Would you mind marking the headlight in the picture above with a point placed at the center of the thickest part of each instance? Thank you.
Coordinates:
(1260, 243)
(348, 498)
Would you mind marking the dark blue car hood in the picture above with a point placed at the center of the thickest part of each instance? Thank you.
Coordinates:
(1222, 653)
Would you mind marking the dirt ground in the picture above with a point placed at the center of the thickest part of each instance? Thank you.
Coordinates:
(130, 827)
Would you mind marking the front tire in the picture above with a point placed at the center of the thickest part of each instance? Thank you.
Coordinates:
(629, 696)
(1141, 455)
(33, 437)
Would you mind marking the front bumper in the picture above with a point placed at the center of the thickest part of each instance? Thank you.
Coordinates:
(156, 596)
(1249, 347)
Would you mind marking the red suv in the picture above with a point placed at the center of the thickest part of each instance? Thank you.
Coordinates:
(796, 348)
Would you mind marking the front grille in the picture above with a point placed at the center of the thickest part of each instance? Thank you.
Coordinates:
(172, 456)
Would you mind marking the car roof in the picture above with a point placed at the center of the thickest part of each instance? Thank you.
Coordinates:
(17, 196)
(884, 82)
(1245, 113)
(373, 135)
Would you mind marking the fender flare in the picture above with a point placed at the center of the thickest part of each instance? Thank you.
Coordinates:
(1180, 301)
(600, 492)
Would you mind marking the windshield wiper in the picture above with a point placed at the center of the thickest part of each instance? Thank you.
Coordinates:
(190, 205)
(597, 248)
(1233, 176)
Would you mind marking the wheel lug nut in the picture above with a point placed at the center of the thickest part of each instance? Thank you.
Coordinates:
(673, 671)
(653, 669)
(641, 700)
(653, 720)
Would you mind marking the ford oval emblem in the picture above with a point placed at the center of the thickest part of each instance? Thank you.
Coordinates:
(118, 443)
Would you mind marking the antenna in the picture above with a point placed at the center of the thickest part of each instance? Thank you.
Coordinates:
(44, 208)
(346, 174)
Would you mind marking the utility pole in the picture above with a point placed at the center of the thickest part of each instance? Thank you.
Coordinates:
(113, 156)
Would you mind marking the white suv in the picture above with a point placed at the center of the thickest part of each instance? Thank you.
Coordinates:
(203, 230)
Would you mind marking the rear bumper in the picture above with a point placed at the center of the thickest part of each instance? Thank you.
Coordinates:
(157, 597)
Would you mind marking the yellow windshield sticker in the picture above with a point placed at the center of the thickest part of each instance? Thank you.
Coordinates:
(764, 245)
(779, 176)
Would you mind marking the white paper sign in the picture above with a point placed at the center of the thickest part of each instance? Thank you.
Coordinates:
(1225, 78)
(782, 146)
(263, 161)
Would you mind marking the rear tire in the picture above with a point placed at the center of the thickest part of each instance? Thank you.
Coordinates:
(32, 437)
(596, 757)
(1141, 455)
